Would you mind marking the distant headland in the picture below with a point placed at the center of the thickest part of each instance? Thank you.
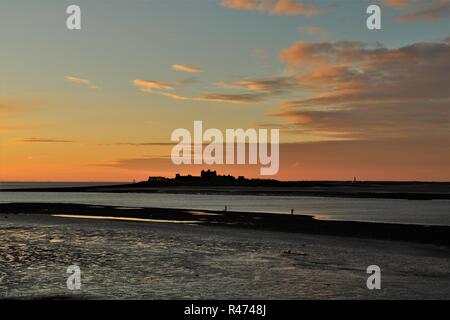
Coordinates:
(210, 182)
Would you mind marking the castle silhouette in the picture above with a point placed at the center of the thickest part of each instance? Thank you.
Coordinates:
(209, 176)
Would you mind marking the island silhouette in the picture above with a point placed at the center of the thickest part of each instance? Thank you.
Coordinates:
(210, 182)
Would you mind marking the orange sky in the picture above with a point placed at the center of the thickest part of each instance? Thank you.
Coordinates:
(100, 104)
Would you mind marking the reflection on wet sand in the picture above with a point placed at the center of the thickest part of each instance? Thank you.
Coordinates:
(203, 213)
(124, 219)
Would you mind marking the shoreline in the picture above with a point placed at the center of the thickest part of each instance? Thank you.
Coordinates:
(302, 224)
(374, 190)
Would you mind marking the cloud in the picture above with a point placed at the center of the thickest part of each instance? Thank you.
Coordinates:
(315, 31)
(359, 91)
(267, 86)
(401, 3)
(8, 128)
(150, 84)
(184, 68)
(272, 7)
(372, 121)
(81, 81)
(44, 140)
(134, 144)
(258, 90)
(429, 10)
(147, 164)
(435, 11)
(215, 97)
(158, 88)
(320, 54)
(231, 98)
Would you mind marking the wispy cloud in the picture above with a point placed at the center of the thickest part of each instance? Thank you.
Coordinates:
(435, 11)
(8, 128)
(273, 7)
(44, 140)
(78, 80)
(401, 3)
(184, 68)
(151, 84)
(316, 31)
(257, 90)
(81, 81)
(149, 164)
(133, 144)
(269, 86)
(216, 97)
(231, 98)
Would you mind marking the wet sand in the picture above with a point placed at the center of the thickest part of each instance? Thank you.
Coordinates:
(153, 253)
(439, 235)
(148, 260)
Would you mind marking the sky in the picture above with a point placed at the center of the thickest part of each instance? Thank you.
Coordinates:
(100, 103)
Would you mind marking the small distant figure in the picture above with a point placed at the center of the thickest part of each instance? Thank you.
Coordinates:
(225, 209)
(354, 180)
(292, 211)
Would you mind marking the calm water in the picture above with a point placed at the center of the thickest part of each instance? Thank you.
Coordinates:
(436, 212)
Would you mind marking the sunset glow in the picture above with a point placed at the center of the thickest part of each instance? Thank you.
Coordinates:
(100, 103)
